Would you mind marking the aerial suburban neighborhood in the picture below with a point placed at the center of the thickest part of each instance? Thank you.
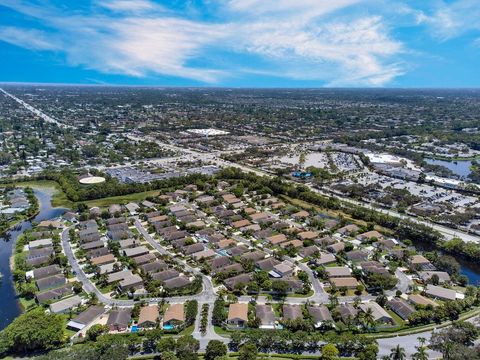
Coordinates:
(239, 180)
(237, 247)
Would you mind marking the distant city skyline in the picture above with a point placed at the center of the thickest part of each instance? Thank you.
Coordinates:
(242, 43)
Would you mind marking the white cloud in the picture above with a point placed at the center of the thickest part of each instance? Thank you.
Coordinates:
(28, 38)
(139, 46)
(449, 20)
(129, 5)
(131, 45)
(303, 39)
(341, 53)
(298, 9)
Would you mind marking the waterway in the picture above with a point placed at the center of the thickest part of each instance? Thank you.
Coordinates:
(460, 168)
(468, 268)
(9, 306)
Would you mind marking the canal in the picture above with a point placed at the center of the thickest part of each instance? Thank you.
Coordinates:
(9, 305)
(468, 268)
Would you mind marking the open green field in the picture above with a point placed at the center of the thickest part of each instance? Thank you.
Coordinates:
(59, 198)
(124, 199)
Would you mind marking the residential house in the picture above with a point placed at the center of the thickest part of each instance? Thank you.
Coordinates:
(336, 247)
(380, 315)
(176, 283)
(64, 306)
(338, 271)
(438, 292)
(237, 281)
(284, 269)
(292, 312)
(54, 294)
(347, 312)
(320, 315)
(174, 316)
(400, 307)
(148, 317)
(345, 282)
(45, 271)
(370, 236)
(419, 262)
(51, 282)
(348, 229)
(237, 315)
(118, 320)
(442, 276)
(420, 300)
(85, 318)
(266, 316)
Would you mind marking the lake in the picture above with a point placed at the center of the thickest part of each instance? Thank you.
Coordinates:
(460, 168)
(9, 305)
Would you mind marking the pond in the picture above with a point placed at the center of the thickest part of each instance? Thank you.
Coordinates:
(460, 168)
(9, 305)
(468, 268)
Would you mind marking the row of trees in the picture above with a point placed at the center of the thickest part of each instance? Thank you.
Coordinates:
(285, 341)
(68, 181)
(403, 228)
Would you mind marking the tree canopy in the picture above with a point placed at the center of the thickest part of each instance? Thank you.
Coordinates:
(32, 331)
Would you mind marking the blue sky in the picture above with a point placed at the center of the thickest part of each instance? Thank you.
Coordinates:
(242, 43)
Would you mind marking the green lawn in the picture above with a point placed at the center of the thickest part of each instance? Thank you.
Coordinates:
(221, 331)
(26, 304)
(310, 293)
(59, 198)
(107, 289)
(124, 199)
(69, 333)
(188, 330)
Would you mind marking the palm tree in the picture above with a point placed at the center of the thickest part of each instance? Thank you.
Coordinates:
(421, 353)
(350, 323)
(368, 319)
(398, 353)
(222, 293)
(333, 299)
(422, 340)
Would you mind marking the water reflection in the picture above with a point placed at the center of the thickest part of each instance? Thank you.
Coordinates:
(9, 305)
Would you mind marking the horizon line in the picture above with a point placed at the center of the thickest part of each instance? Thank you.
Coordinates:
(2, 83)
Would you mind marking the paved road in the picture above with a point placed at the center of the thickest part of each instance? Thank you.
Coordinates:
(447, 232)
(404, 282)
(36, 111)
(408, 342)
(208, 294)
(88, 286)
